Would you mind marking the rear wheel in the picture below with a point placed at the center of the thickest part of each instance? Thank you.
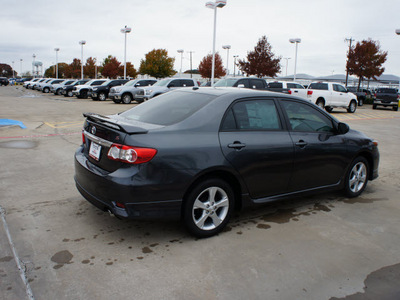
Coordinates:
(102, 97)
(58, 92)
(352, 106)
(46, 90)
(357, 177)
(321, 103)
(126, 98)
(208, 207)
(395, 108)
(361, 102)
(69, 94)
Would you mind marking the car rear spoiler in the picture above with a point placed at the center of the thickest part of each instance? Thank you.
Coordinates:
(116, 124)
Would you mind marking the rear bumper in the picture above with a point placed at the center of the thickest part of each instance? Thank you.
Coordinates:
(105, 190)
(386, 103)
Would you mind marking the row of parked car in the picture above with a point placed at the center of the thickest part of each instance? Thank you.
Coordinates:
(327, 95)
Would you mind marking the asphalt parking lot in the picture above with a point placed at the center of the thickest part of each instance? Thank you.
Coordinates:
(320, 247)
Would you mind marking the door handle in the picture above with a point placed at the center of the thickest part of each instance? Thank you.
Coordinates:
(301, 144)
(236, 145)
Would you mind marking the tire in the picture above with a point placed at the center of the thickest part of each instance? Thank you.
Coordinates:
(58, 92)
(352, 107)
(102, 97)
(46, 90)
(117, 101)
(69, 94)
(361, 102)
(374, 106)
(321, 103)
(126, 98)
(357, 177)
(329, 109)
(208, 207)
(395, 108)
(83, 94)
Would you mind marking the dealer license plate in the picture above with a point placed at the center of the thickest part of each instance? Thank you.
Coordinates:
(94, 151)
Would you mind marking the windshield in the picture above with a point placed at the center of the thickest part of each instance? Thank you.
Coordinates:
(226, 82)
(131, 82)
(179, 105)
(162, 82)
(106, 82)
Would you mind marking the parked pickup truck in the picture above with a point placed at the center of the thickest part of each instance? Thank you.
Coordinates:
(362, 94)
(248, 83)
(330, 95)
(292, 88)
(163, 86)
(127, 92)
(386, 97)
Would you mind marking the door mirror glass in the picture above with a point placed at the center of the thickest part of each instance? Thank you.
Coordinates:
(343, 128)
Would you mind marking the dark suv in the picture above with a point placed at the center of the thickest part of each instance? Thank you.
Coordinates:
(4, 81)
(386, 97)
(101, 92)
(67, 89)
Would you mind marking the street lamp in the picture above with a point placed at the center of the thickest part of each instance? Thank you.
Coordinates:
(287, 63)
(295, 41)
(181, 52)
(33, 65)
(125, 30)
(20, 60)
(82, 43)
(227, 47)
(214, 6)
(13, 68)
(56, 49)
(234, 64)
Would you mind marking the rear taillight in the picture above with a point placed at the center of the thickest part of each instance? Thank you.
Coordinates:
(375, 95)
(83, 138)
(131, 155)
(309, 93)
(289, 92)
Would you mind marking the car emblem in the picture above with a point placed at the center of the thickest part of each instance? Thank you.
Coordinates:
(93, 130)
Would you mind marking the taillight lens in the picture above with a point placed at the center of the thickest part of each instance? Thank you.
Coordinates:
(83, 138)
(131, 155)
(289, 92)
(309, 93)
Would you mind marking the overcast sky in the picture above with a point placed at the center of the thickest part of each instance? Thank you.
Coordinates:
(37, 27)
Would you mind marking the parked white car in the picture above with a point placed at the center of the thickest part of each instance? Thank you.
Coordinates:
(294, 88)
(330, 95)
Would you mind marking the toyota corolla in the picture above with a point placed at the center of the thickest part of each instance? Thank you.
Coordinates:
(197, 154)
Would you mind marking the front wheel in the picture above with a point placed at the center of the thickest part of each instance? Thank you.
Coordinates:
(102, 96)
(352, 107)
(69, 94)
(357, 177)
(329, 109)
(126, 98)
(361, 102)
(208, 207)
(46, 90)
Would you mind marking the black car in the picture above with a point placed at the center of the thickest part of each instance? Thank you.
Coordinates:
(67, 89)
(199, 153)
(4, 81)
(386, 97)
(101, 92)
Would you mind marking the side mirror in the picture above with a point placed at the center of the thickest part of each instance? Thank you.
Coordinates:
(343, 128)
(137, 84)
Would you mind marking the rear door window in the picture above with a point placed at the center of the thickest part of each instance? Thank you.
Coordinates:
(318, 86)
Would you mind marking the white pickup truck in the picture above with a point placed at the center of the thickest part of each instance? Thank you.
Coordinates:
(329, 95)
(294, 88)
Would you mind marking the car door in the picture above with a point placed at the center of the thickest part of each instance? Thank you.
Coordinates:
(340, 95)
(320, 153)
(254, 141)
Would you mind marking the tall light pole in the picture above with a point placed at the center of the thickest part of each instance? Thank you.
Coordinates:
(13, 68)
(125, 30)
(227, 47)
(295, 41)
(181, 52)
(190, 59)
(287, 63)
(95, 68)
(82, 43)
(20, 61)
(350, 40)
(234, 64)
(33, 65)
(214, 6)
(56, 49)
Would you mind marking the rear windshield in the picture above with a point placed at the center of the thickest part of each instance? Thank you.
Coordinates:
(318, 86)
(169, 108)
(275, 85)
(386, 91)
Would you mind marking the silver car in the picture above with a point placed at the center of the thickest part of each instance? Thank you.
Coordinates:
(126, 93)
